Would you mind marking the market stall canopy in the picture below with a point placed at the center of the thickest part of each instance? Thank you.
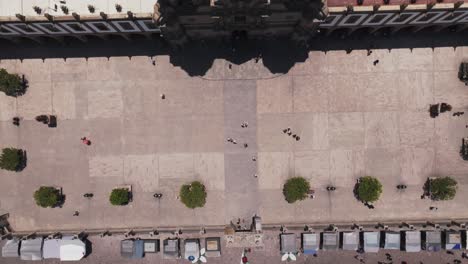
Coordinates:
(310, 243)
(171, 248)
(132, 249)
(11, 248)
(151, 245)
(288, 243)
(371, 241)
(350, 240)
(31, 249)
(192, 249)
(452, 240)
(392, 240)
(413, 241)
(72, 249)
(213, 246)
(51, 249)
(433, 240)
(330, 240)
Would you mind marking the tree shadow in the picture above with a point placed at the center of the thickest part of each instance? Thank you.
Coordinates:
(23, 160)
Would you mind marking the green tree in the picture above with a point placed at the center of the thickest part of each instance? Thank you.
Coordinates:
(47, 196)
(443, 188)
(119, 196)
(369, 189)
(11, 84)
(193, 195)
(11, 159)
(296, 189)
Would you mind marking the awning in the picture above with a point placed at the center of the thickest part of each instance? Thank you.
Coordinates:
(350, 240)
(132, 249)
(288, 243)
(310, 243)
(371, 242)
(192, 249)
(72, 249)
(171, 248)
(413, 241)
(330, 240)
(31, 249)
(213, 246)
(392, 240)
(433, 240)
(11, 248)
(452, 240)
(151, 245)
(51, 249)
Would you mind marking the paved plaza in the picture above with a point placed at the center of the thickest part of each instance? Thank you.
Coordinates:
(353, 119)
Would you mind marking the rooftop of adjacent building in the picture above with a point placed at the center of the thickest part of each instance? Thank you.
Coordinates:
(53, 7)
(341, 3)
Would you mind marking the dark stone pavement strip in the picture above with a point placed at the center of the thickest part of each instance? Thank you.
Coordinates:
(240, 105)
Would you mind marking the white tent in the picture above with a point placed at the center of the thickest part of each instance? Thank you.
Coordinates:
(413, 241)
(392, 240)
(350, 240)
(51, 249)
(72, 249)
(371, 241)
(11, 248)
(31, 249)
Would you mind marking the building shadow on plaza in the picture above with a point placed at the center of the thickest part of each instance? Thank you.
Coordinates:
(196, 58)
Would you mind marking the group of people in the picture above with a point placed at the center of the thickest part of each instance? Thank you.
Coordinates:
(290, 133)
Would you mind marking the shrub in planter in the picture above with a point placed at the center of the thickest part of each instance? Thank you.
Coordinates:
(12, 159)
(296, 189)
(369, 189)
(119, 196)
(11, 84)
(193, 195)
(443, 188)
(47, 196)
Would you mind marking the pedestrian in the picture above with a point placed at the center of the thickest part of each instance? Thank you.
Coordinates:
(86, 141)
(163, 96)
(433, 208)
(229, 139)
(294, 136)
(298, 138)
(375, 62)
(230, 66)
(76, 213)
(246, 145)
(255, 175)
(369, 52)
(449, 252)
(286, 131)
(254, 158)
(234, 141)
(289, 133)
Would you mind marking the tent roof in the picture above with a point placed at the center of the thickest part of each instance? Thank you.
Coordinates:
(350, 240)
(51, 249)
(392, 240)
(132, 248)
(371, 241)
(288, 243)
(453, 240)
(11, 248)
(171, 247)
(72, 250)
(433, 240)
(310, 243)
(31, 249)
(330, 240)
(192, 248)
(413, 241)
